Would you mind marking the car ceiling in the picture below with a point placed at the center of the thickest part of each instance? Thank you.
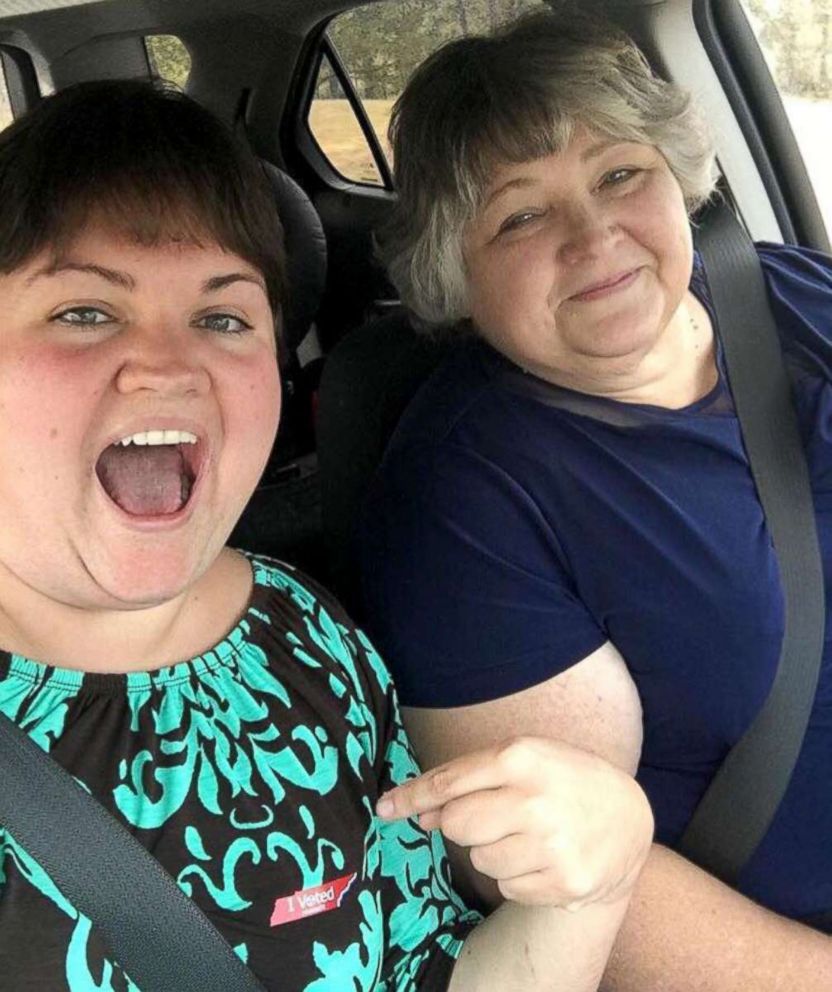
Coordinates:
(244, 46)
(297, 14)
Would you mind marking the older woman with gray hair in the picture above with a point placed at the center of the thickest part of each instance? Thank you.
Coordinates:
(564, 537)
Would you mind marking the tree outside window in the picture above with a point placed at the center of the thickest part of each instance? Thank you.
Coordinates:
(796, 39)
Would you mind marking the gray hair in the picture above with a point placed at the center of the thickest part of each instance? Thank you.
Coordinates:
(515, 96)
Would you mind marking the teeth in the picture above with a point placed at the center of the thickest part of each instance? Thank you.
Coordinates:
(158, 437)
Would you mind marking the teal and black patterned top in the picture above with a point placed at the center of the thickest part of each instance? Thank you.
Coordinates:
(251, 773)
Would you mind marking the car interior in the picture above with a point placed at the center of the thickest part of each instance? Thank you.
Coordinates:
(271, 68)
(310, 85)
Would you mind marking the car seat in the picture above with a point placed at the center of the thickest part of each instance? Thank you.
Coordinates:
(368, 380)
(283, 516)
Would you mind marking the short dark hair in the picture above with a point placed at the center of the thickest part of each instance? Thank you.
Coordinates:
(146, 160)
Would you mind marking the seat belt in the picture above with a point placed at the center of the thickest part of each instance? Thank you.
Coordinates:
(159, 936)
(741, 801)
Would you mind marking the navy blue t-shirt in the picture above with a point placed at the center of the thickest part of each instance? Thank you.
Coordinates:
(514, 527)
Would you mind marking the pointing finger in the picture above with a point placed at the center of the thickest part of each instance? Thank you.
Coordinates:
(491, 768)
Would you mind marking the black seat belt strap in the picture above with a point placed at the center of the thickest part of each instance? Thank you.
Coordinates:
(739, 805)
(159, 936)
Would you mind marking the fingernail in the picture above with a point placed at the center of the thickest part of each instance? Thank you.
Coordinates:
(385, 807)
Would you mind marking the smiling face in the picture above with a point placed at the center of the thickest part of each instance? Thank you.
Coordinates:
(578, 263)
(116, 341)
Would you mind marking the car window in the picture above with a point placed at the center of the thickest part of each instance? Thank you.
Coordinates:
(337, 130)
(796, 39)
(5, 108)
(377, 47)
(169, 58)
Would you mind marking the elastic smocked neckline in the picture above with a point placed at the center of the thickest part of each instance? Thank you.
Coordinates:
(117, 683)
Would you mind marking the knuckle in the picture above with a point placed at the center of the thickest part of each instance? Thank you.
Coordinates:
(519, 890)
(577, 883)
(576, 877)
(452, 823)
(560, 851)
(440, 782)
(508, 890)
(516, 754)
(479, 860)
(538, 814)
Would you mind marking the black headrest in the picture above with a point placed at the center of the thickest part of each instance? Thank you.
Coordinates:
(368, 379)
(306, 255)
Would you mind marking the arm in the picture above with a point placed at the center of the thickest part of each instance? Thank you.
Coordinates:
(555, 826)
(563, 833)
(684, 930)
(527, 948)
(712, 939)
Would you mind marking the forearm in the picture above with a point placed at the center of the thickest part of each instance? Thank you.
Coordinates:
(687, 932)
(532, 949)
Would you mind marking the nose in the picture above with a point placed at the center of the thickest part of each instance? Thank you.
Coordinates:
(585, 229)
(165, 361)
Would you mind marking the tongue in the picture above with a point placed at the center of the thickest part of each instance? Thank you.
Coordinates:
(145, 480)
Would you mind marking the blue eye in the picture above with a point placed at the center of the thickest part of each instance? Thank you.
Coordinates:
(82, 317)
(617, 177)
(224, 323)
(518, 220)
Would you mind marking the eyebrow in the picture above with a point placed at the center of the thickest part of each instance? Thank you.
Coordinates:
(216, 283)
(601, 146)
(126, 281)
(522, 182)
(111, 275)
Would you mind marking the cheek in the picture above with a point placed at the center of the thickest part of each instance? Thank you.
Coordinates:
(678, 255)
(511, 284)
(667, 227)
(661, 228)
(46, 405)
(46, 399)
(253, 403)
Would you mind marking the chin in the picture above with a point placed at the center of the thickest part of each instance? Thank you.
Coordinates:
(619, 339)
(145, 579)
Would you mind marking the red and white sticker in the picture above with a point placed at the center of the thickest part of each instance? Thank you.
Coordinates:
(309, 902)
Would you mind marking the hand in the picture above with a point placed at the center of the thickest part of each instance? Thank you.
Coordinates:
(553, 824)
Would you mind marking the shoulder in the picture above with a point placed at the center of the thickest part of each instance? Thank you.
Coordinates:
(457, 393)
(799, 280)
(468, 429)
(799, 284)
(299, 616)
(306, 595)
(795, 266)
(794, 275)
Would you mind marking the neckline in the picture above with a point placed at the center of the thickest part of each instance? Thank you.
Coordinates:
(227, 648)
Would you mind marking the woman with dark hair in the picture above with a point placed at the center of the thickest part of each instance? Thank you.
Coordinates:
(220, 705)
(564, 537)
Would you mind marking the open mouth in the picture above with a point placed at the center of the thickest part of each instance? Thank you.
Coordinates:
(151, 473)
